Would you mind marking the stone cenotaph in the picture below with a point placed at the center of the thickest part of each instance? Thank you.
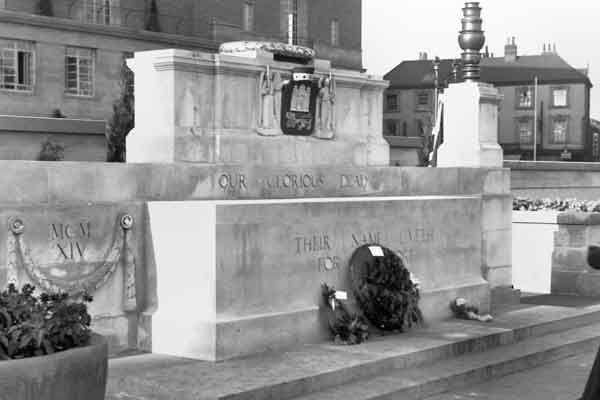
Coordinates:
(253, 175)
(293, 154)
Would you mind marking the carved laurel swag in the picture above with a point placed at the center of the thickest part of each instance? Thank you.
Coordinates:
(120, 251)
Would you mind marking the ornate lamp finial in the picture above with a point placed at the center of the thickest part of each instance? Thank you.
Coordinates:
(471, 41)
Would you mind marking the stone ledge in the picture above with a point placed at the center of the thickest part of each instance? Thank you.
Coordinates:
(15, 123)
(578, 218)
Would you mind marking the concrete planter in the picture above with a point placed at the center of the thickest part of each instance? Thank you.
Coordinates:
(532, 249)
(74, 374)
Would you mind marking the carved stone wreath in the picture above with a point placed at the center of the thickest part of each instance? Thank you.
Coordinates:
(282, 49)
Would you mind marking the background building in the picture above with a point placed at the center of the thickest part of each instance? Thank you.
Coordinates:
(71, 61)
(563, 103)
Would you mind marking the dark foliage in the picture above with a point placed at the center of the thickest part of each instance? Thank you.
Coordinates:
(38, 325)
(345, 327)
(51, 151)
(152, 23)
(122, 119)
(386, 294)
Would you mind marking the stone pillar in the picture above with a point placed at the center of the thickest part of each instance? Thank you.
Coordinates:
(570, 271)
(470, 126)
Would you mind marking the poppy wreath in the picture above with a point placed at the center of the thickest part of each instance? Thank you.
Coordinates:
(384, 290)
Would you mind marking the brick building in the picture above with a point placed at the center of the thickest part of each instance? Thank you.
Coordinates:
(71, 61)
(563, 104)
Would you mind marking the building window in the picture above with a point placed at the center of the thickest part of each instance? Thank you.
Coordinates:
(422, 99)
(249, 15)
(335, 32)
(560, 97)
(525, 97)
(404, 129)
(391, 127)
(79, 71)
(16, 65)
(560, 127)
(292, 22)
(391, 102)
(420, 128)
(98, 11)
(525, 130)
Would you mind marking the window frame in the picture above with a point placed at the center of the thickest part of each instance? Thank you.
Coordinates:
(552, 138)
(99, 12)
(396, 107)
(334, 32)
(15, 48)
(518, 92)
(248, 15)
(519, 122)
(292, 16)
(553, 98)
(77, 54)
(388, 123)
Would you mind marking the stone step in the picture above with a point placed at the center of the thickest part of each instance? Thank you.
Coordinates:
(422, 382)
(315, 368)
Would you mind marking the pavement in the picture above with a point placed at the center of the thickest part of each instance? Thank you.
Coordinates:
(559, 380)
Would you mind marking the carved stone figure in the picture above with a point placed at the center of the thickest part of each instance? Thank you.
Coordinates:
(267, 124)
(326, 109)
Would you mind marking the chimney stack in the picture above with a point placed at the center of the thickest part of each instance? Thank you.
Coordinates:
(422, 55)
(510, 50)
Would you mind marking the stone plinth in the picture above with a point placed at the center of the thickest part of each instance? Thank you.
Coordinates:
(470, 126)
(239, 277)
(206, 108)
(570, 271)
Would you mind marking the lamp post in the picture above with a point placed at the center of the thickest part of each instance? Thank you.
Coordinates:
(471, 41)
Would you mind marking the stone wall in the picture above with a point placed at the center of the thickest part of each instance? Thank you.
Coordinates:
(555, 179)
(22, 138)
(279, 232)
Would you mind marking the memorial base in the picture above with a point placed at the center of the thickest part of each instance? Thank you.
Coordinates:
(240, 277)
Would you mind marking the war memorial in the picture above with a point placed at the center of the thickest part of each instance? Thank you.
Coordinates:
(253, 176)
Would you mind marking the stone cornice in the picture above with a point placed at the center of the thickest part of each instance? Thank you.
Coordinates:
(119, 32)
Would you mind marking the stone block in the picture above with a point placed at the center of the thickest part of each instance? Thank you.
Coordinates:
(222, 260)
(497, 248)
(497, 182)
(499, 276)
(496, 212)
(571, 258)
(579, 218)
(581, 283)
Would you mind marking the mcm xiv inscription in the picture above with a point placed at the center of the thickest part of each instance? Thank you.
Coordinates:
(69, 239)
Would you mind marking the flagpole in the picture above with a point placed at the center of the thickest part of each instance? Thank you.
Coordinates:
(535, 98)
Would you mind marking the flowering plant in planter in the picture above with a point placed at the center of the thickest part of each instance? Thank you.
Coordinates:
(33, 325)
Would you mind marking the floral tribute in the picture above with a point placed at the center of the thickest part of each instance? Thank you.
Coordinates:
(383, 287)
(527, 204)
(38, 325)
(464, 310)
(346, 327)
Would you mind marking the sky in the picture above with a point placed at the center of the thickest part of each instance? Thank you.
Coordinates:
(397, 30)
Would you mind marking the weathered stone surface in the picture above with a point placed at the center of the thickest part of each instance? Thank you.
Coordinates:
(497, 246)
(579, 218)
(496, 212)
(205, 108)
(255, 264)
(80, 247)
(69, 182)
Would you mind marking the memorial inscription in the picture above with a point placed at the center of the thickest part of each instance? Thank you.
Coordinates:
(228, 182)
(70, 239)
